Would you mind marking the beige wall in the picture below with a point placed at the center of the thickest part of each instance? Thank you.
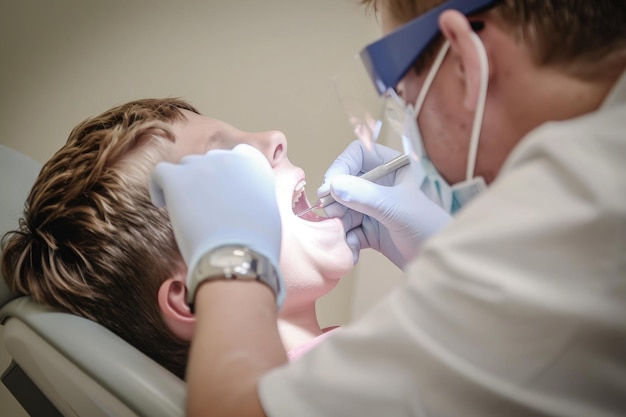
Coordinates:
(255, 64)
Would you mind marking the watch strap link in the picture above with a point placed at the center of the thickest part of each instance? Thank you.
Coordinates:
(234, 262)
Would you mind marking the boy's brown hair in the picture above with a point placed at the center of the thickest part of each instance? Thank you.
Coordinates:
(91, 242)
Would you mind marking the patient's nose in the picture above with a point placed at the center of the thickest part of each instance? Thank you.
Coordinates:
(273, 144)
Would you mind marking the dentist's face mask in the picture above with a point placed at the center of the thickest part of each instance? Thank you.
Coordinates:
(402, 120)
(383, 63)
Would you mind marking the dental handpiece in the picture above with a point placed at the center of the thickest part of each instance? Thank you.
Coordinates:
(378, 172)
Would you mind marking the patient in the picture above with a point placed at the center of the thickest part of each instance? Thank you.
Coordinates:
(92, 243)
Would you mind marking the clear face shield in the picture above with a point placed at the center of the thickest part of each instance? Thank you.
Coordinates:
(379, 115)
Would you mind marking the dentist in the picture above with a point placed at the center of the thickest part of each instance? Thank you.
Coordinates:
(514, 115)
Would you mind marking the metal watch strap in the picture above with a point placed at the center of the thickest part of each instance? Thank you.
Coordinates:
(232, 262)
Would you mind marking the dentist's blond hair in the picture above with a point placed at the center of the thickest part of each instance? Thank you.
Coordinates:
(586, 39)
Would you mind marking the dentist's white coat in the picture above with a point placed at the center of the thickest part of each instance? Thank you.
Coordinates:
(518, 308)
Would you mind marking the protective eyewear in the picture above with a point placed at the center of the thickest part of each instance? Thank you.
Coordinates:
(390, 58)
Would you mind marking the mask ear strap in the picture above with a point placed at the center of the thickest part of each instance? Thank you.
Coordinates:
(419, 102)
(480, 106)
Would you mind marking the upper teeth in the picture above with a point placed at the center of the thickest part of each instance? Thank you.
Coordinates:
(297, 192)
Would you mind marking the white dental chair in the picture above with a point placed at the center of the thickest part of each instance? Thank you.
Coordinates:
(64, 365)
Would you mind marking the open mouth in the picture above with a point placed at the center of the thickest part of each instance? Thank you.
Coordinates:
(300, 203)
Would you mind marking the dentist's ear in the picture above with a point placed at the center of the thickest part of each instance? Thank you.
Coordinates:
(172, 298)
(464, 47)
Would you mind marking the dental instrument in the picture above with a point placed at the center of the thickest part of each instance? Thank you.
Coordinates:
(376, 173)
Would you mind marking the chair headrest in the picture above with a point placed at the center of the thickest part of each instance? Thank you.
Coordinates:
(17, 175)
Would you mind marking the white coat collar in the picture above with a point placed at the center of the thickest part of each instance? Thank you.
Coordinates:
(617, 95)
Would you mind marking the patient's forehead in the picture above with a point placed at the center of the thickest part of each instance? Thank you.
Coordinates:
(197, 134)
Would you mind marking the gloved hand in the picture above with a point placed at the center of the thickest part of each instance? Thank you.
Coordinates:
(220, 198)
(392, 215)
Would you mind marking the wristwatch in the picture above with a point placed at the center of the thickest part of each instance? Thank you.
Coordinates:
(232, 262)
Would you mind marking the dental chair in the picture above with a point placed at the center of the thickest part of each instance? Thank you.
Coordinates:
(65, 365)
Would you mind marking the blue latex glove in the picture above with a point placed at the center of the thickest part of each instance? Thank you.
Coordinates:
(392, 216)
(221, 198)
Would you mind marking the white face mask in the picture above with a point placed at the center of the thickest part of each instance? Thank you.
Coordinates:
(403, 120)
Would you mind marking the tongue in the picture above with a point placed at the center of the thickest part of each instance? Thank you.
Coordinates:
(303, 204)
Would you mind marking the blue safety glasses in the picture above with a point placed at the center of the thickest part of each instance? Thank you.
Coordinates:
(391, 57)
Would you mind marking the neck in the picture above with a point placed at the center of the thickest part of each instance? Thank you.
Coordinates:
(532, 98)
(298, 326)
(568, 97)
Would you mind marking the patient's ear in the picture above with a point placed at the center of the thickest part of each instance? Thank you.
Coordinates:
(174, 308)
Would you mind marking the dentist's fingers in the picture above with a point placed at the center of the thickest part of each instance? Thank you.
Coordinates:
(356, 241)
(349, 162)
(358, 194)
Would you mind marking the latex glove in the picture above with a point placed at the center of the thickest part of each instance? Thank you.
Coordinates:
(222, 197)
(392, 216)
